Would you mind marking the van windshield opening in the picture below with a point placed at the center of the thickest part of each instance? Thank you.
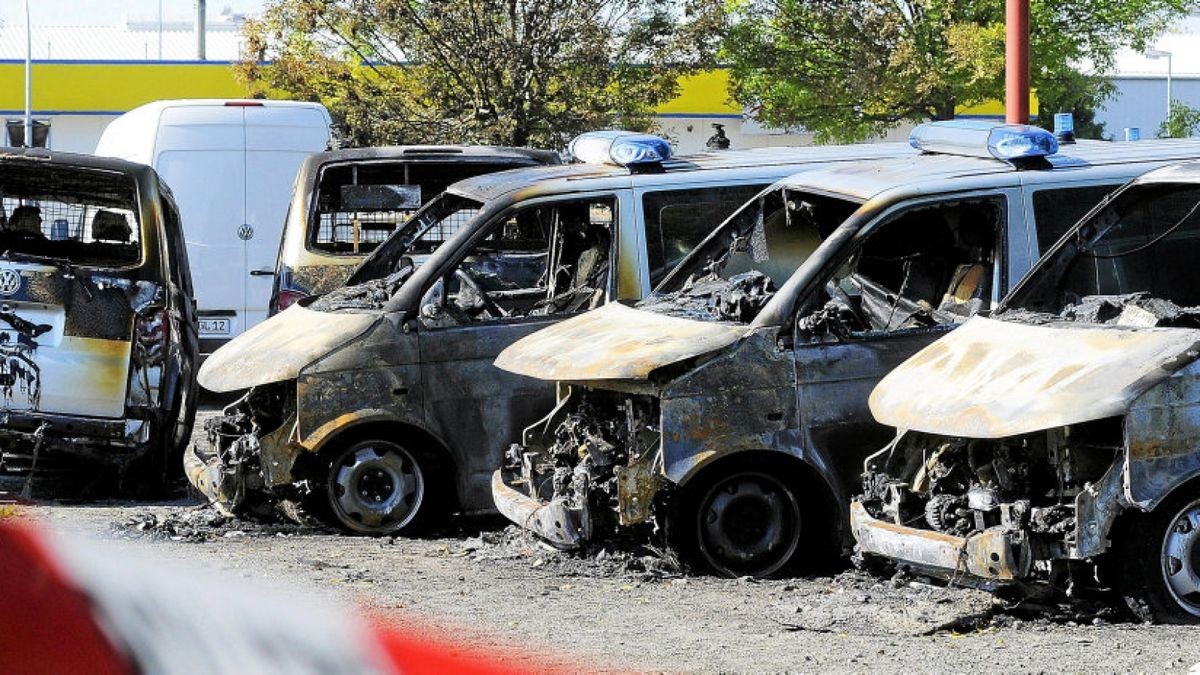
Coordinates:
(1131, 264)
(384, 271)
(734, 273)
(87, 217)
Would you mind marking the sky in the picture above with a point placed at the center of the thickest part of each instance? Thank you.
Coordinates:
(105, 12)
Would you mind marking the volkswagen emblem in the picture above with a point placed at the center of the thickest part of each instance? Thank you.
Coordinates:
(245, 232)
(10, 282)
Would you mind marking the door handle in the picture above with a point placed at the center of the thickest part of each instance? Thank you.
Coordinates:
(262, 273)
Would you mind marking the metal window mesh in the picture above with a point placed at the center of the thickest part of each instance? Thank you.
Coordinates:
(62, 221)
(336, 229)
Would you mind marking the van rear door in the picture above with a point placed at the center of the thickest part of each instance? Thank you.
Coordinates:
(277, 141)
(201, 155)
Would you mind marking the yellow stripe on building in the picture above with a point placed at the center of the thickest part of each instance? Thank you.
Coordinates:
(108, 87)
(113, 87)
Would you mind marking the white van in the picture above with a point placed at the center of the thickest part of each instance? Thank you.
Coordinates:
(231, 164)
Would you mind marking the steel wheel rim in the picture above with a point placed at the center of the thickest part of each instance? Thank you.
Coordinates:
(376, 488)
(748, 525)
(1179, 561)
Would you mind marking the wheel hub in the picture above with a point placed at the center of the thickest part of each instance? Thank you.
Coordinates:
(749, 525)
(1181, 558)
(376, 488)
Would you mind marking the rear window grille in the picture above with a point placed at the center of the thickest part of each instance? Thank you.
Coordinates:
(338, 232)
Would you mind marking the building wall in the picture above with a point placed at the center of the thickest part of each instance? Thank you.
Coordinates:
(1142, 102)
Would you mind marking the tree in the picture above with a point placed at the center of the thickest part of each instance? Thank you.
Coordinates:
(1183, 121)
(852, 69)
(511, 72)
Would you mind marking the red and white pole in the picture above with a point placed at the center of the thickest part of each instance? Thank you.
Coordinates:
(1016, 62)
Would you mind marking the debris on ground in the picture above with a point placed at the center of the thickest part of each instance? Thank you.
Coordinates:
(617, 558)
(859, 603)
(204, 523)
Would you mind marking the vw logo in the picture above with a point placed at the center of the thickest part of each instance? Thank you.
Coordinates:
(245, 232)
(10, 282)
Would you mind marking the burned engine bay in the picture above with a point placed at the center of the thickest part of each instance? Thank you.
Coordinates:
(1018, 498)
(595, 459)
(245, 446)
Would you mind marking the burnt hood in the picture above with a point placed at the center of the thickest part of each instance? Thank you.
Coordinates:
(278, 348)
(614, 342)
(992, 379)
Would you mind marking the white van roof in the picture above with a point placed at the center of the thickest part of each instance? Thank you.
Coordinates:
(133, 135)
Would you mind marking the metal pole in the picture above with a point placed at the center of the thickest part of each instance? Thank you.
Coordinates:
(1016, 62)
(160, 29)
(201, 28)
(1169, 115)
(28, 78)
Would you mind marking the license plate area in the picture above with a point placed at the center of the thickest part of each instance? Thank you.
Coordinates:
(221, 326)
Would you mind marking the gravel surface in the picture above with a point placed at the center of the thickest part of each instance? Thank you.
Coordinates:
(628, 607)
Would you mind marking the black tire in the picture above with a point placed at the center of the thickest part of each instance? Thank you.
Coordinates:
(750, 521)
(1155, 553)
(376, 487)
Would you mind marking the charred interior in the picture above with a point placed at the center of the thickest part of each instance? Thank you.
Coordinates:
(541, 260)
(596, 455)
(1024, 487)
(1132, 264)
(737, 270)
(924, 267)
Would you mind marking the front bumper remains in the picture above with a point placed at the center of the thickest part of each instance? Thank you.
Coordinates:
(223, 485)
(994, 556)
(555, 520)
(237, 460)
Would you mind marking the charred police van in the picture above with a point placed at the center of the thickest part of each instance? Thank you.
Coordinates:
(378, 405)
(729, 408)
(97, 318)
(1055, 445)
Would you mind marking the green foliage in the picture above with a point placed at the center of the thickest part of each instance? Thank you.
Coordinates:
(1183, 121)
(512, 72)
(852, 69)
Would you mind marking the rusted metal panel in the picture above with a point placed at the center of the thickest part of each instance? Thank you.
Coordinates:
(614, 342)
(1162, 437)
(991, 379)
(278, 348)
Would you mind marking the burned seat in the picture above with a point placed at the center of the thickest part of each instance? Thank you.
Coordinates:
(111, 226)
(25, 221)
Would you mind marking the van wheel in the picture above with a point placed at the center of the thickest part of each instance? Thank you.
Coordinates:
(378, 487)
(1160, 562)
(743, 523)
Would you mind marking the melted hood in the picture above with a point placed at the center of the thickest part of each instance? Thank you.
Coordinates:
(276, 349)
(991, 379)
(614, 342)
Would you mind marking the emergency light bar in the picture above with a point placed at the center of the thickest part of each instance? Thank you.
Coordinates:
(977, 138)
(623, 148)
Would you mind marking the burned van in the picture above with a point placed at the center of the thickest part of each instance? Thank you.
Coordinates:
(728, 410)
(97, 323)
(377, 405)
(1054, 445)
(347, 202)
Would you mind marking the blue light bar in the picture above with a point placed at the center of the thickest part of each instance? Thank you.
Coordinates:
(623, 148)
(978, 138)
